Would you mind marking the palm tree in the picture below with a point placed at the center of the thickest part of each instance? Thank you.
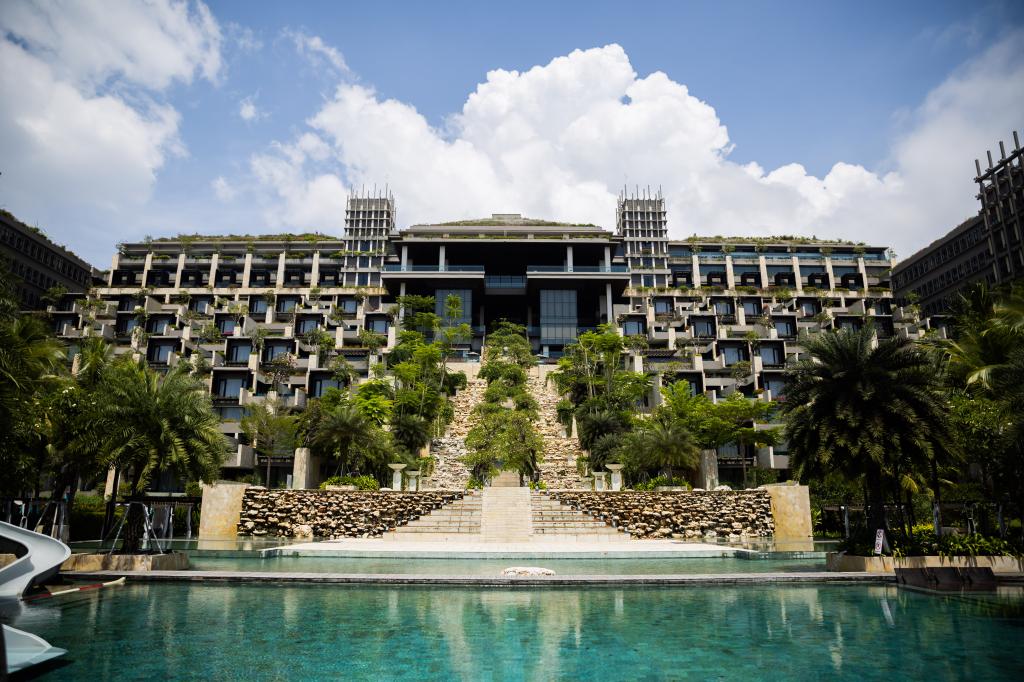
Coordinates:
(410, 431)
(664, 443)
(867, 411)
(339, 429)
(271, 430)
(154, 422)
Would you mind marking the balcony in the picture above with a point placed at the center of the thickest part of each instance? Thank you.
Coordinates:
(432, 268)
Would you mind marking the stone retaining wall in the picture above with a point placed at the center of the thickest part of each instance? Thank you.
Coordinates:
(334, 514)
(713, 514)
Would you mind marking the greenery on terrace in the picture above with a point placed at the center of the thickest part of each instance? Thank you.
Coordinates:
(511, 222)
(503, 437)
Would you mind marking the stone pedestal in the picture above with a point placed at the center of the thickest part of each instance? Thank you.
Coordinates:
(707, 475)
(221, 510)
(599, 480)
(414, 481)
(396, 478)
(305, 470)
(616, 470)
(588, 482)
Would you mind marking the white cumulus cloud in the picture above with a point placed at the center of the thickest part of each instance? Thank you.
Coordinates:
(560, 141)
(319, 53)
(81, 117)
(248, 111)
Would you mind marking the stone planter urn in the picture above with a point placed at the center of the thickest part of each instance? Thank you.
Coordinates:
(616, 470)
(396, 477)
(414, 480)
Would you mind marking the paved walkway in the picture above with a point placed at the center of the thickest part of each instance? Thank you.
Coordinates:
(534, 548)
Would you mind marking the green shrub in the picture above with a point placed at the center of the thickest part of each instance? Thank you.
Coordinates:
(360, 482)
(924, 543)
(194, 489)
(659, 481)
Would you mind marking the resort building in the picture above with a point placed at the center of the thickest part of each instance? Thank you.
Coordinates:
(988, 247)
(292, 315)
(39, 265)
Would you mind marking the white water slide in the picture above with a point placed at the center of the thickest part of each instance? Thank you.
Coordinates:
(42, 559)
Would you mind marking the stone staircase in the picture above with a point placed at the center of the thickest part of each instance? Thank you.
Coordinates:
(506, 514)
(554, 520)
(449, 471)
(460, 520)
(558, 468)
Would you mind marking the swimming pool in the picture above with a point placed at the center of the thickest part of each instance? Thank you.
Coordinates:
(493, 567)
(273, 632)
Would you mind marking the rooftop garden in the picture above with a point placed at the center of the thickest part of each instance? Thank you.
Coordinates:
(503, 222)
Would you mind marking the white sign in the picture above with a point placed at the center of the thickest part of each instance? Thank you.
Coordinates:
(879, 540)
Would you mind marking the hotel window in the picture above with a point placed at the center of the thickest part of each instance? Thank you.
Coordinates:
(275, 350)
(751, 308)
(378, 325)
(633, 327)
(228, 387)
(465, 297)
(785, 326)
(772, 355)
(776, 385)
(285, 304)
(306, 325)
(558, 319)
(662, 306)
(724, 308)
(703, 328)
(226, 326)
(320, 385)
(734, 354)
(257, 305)
(349, 306)
(238, 353)
(157, 326)
(159, 354)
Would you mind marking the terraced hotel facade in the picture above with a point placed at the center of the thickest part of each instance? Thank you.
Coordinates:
(296, 314)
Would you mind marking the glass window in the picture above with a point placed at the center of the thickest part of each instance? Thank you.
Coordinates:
(321, 384)
(704, 328)
(306, 325)
(785, 327)
(724, 308)
(257, 306)
(466, 298)
(349, 306)
(160, 353)
(662, 306)
(771, 355)
(777, 385)
(273, 350)
(285, 305)
(231, 413)
(228, 387)
(734, 354)
(633, 327)
(239, 352)
(378, 325)
(558, 319)
(751, 308)
(158, 325)
(226, 326)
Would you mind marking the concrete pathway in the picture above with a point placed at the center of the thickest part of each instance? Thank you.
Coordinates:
(532, 548)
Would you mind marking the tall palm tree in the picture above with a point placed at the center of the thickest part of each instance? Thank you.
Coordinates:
(410, 431)
(664, 443)
(155, 422)
(339, 429)
(272, 430)
(866, 409)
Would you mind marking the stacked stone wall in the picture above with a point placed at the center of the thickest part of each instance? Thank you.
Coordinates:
(334, 514)
(732, 515)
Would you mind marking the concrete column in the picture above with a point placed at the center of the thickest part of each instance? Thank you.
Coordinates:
(608, 302)
(797, 276)
(440, 259)
(396, 477)
(863, 272)
(405, 255)
(177, 275)
(401, 292)
(314, 275)
(730, 278)
(146, 267)
(280, 271)
(696, 271)
(831, 276)
(599, 480)
(214, 262)
(246, 271)
(616, 470)
(763, 266)
(608, 257)
(221, 510)
(568, 258)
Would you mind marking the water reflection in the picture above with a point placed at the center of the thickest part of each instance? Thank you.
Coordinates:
(413, 632)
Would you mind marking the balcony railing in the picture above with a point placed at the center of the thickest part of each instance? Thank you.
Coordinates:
(432, 268)
(505, 281)
(576, 268)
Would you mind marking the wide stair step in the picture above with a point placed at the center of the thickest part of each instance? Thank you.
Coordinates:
(460, 518)
(553, 519)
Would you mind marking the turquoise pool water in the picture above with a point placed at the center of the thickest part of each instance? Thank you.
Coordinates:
(268, 632)
(641, 566)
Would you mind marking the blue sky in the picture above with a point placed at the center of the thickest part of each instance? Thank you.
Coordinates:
(847, 120)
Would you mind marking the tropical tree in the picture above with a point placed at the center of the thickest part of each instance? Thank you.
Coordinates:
(156, 422)
(664, 443)
(867, 411)
(272, 430)
(342, 429)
